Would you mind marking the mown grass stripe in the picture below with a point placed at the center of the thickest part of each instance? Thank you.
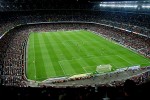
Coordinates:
(53, 57)
(69, 55)
(46, 58)
(88, 50)
(85, 54)
(77, 51)
(30, 67)
(57, 46)
(39, 62)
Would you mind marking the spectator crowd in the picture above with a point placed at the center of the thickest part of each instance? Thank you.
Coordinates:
(13, 45)
(13, 54)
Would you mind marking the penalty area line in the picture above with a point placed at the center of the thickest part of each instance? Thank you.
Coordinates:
(124, 59)
(62, 68)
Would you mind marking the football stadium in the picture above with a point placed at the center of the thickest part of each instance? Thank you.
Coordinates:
(77, 49)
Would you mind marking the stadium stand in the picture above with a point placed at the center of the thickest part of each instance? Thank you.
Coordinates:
(131, 30)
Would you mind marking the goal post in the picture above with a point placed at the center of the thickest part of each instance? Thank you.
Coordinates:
(103, 68)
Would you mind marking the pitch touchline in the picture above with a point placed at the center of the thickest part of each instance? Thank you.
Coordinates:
(126, 47)
(124, 59)
(34, 57)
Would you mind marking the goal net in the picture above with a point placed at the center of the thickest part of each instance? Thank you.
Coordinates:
(103, 68)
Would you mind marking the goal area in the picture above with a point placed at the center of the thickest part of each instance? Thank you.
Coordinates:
(103, 68)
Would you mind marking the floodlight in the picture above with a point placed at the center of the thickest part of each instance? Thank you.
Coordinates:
(146, 6)
(118, 5)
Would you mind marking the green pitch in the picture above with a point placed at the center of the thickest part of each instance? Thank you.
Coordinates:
(66, 53)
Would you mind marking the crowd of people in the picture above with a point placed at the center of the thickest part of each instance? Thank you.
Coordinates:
(131, 40)
(129, 29)
(114, 79)
(15, 41)
(13, 49)
(13, 55)
(81, 93)
(132, 21)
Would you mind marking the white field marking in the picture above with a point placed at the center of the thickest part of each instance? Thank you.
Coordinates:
(46, 78)
(74, 57)
(26, 57)
(75, 41)
(87, 58)
(62, 68)
(34, 57)
(144, 63)
(131, 63)
(126, 47)
(112, 64)
(77, 59)
(124, 59)
(146, 60)
(115, 66)
(71, 30)
(84, 69)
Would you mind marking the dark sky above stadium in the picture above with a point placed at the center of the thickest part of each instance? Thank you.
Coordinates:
(53, 4)
(65, 0)
(61, 1)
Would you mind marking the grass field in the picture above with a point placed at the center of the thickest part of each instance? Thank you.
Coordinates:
(64, 53)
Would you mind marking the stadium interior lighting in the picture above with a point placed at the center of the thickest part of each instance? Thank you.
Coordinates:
(119, 5)
(146, 6)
